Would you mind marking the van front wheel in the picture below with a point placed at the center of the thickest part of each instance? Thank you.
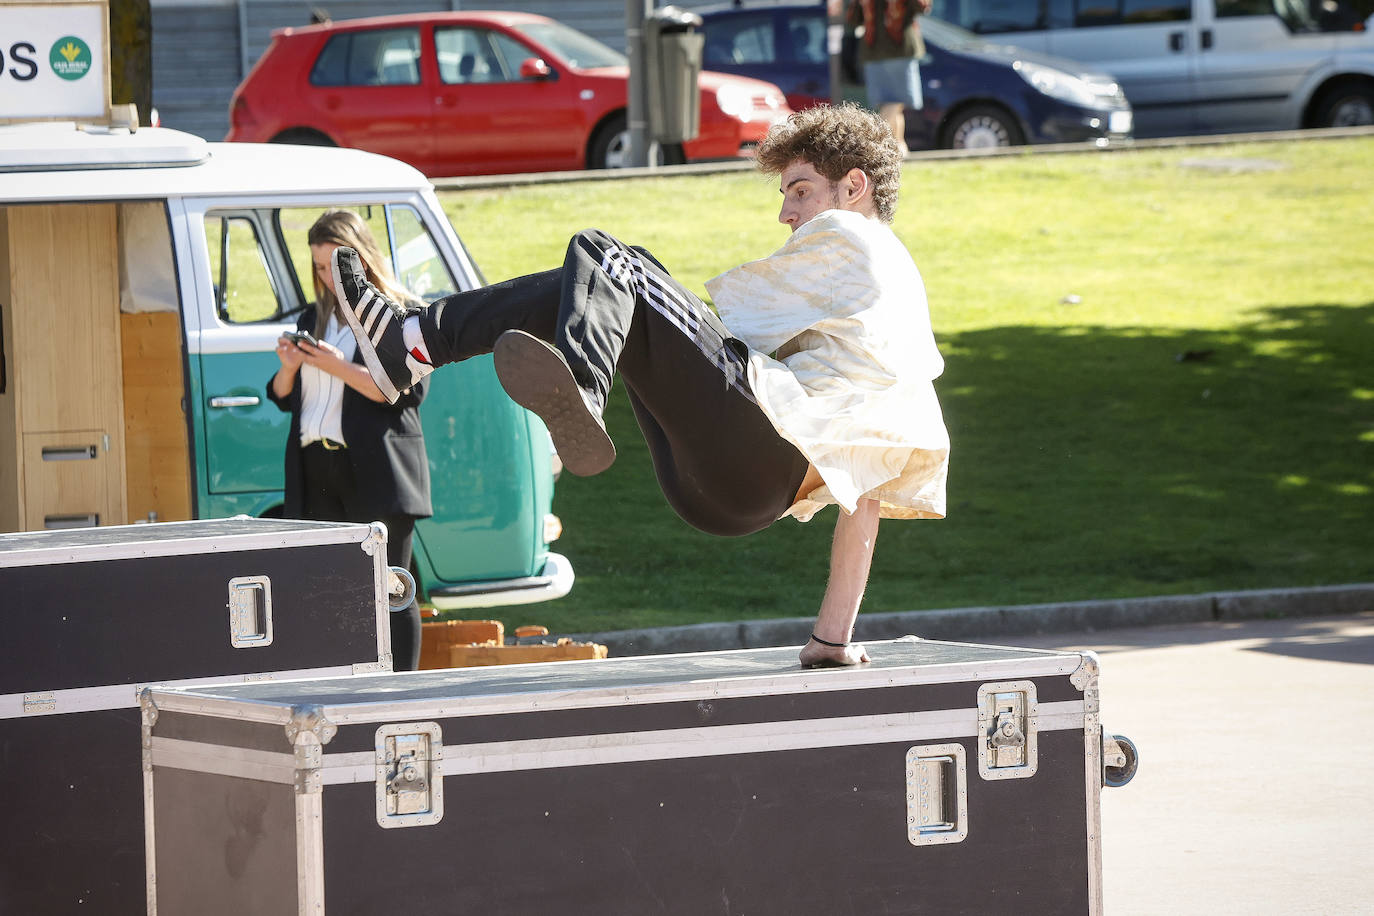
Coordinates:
(1348, 105)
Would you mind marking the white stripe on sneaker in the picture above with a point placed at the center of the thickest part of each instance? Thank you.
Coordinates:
(375, 335)
(366, 310)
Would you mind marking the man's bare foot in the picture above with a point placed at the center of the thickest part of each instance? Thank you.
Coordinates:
(815, 655)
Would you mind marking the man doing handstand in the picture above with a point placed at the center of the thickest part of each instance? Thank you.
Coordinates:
(813, 386)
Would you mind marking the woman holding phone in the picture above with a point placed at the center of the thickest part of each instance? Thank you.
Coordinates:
(351, 456)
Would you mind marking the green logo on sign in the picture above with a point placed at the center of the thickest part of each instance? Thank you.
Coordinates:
(70, 58)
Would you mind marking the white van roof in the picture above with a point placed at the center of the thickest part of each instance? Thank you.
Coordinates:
(58, 161)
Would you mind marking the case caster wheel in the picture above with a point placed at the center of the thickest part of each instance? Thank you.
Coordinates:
(400, 588)
(1119, 760)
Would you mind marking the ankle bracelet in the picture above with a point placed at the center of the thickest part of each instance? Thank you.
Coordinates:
(826, 642)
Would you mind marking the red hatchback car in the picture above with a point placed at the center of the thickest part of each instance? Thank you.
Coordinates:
(472, 94)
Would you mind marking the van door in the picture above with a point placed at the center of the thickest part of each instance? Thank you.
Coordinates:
(1150, 46)
(1255, 58)
(254, 299)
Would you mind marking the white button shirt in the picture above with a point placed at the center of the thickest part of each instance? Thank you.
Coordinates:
(842, 310)
(322, 393)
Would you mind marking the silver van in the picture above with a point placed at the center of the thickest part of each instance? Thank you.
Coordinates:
(1198, 66)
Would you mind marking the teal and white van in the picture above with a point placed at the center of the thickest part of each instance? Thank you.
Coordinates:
(146, 278)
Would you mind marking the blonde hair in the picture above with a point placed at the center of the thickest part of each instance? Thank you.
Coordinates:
(344, 227)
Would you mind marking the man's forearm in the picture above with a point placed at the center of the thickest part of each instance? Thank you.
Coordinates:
(851, 556)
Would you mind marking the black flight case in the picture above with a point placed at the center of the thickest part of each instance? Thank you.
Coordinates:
(92, 615)
(940, 778)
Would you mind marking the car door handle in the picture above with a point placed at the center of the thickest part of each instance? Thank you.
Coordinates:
(1206, 39)
(1176, 41)
(241, 400)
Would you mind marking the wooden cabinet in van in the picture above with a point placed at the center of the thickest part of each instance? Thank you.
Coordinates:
(92, 430)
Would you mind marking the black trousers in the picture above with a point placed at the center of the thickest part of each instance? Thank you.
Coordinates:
(331, 495)
(613, 308)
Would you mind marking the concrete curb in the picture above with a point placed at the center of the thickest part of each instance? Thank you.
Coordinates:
(997, 623)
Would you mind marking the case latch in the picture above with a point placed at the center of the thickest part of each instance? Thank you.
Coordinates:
(410, 779)
(1007, 727)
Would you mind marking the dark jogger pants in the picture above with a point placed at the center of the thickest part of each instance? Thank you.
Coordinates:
(722, 466)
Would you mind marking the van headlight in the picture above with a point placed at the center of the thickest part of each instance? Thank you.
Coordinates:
(1059, 85)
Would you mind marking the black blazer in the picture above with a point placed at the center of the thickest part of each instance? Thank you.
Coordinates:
(385, 444)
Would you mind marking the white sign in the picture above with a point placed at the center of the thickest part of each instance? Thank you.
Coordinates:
(54, 60)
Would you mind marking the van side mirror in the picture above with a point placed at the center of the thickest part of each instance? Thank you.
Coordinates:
(534, 68)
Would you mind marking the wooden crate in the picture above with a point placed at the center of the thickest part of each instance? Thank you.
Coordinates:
(477, 643)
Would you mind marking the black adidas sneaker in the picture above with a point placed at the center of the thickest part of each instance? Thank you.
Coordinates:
(376, 322)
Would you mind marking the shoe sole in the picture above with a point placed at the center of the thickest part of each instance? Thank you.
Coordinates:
(374, 365)
(536, 377)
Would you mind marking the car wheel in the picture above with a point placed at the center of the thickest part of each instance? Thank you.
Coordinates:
(1350, 105)
(982, 127)
(303, 136)
(610, 148)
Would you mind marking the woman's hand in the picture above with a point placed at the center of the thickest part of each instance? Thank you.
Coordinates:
(291, 356)
(325, 356)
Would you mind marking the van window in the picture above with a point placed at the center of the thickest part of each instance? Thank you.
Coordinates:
(1295, 14)
(295, 223)
(419, 265)
(244, 288)
(415, 262)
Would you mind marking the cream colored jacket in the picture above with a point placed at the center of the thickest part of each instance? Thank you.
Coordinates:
(842, 359)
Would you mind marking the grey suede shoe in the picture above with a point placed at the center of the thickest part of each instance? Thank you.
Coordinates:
(537, 377)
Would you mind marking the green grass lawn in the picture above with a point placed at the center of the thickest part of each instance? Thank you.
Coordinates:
(1160, 380)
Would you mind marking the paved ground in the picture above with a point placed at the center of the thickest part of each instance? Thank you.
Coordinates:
(1254, 793)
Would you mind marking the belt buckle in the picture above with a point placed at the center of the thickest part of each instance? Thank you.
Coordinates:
(330, 445)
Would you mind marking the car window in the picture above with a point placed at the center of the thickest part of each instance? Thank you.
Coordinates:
(468, 56)
(294, 224)
(377, 57)
(988, 17)
(244, 288)
(805, 40)
(572, 46)
(742, 39)
(512, 52)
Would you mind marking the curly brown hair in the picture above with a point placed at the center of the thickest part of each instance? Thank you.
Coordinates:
(835, 139)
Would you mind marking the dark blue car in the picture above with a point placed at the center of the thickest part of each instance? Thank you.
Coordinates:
(977, 94)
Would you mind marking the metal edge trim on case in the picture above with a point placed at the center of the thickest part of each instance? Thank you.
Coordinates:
(220, 760)
(224, 543)
(355, 713)
(1092, 773)
(600, 749)
(375, 546)
(707, 741)
(126, 696)
(148, 716)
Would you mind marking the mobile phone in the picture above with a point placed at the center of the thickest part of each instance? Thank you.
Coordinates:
(297, 337)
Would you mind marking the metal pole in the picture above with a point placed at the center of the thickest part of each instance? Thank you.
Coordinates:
(637, 115)
(834, 42)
